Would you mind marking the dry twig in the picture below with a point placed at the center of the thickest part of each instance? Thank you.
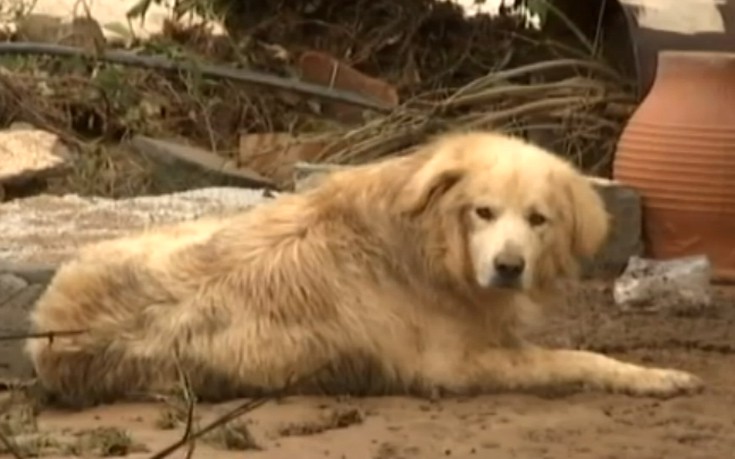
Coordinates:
(233, 414)
(43, 335)
(190, 400)
(577, 106)
(238, 411)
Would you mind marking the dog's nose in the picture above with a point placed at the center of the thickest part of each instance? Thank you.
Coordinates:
(509, 267)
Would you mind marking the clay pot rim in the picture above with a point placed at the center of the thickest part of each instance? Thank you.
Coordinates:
(707, 55)
(697, 65)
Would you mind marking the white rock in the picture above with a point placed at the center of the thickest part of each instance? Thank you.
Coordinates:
(26, 152)
(676, 284)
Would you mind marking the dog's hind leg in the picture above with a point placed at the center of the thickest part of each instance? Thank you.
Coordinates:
(534, 368)
(82, 377)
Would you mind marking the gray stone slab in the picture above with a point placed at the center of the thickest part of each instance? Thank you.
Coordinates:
(624, 205)
(42, 231)
(16, 299)
(180, 165)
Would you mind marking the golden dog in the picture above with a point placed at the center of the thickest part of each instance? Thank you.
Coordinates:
(409, 275)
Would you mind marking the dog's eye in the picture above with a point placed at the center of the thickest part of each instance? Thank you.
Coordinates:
(485, 213)
(536, 219)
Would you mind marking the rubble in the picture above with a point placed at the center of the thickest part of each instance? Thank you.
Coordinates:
(28, 154)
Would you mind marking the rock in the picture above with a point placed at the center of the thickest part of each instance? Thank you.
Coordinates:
(622, 202)
(181, 165)
(16, 298)
(676, 285)
(321, 68)
(121, 21)
(32, 273)
(80, 31)
(40, 28)
(27, 153)
(10, 285)
(44, 230)
(624, 205)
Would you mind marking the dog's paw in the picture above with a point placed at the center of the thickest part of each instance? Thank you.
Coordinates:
(661, 382)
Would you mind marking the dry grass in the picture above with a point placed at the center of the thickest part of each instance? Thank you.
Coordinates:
(234, 435)
(104, 442)
(22, 437)
(584, 112)
(336, 418)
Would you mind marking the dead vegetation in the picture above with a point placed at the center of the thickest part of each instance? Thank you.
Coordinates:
(450, 72)
(22, 437)
(335, 418)
(104, 442)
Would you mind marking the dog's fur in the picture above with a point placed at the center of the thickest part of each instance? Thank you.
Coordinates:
(383, 277)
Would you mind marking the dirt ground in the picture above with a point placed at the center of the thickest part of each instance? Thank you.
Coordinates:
(582, 425)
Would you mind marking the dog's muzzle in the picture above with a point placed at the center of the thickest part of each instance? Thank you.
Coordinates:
(508, 271)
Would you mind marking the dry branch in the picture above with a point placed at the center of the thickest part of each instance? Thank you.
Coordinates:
(577, 105)
(44, 335)
(235, 413)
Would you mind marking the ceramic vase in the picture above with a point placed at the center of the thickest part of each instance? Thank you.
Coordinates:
(678, 152)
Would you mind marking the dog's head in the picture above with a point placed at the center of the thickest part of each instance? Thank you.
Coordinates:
(502, 213)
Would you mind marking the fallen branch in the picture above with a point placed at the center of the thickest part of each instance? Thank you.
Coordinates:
(48, 335)
(504, 75)
(579, 107)
(536, 106)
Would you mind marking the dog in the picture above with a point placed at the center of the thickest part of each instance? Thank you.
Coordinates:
(415, 274)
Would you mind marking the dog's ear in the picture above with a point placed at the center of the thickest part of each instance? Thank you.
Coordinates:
(589, 218)
(428, 184)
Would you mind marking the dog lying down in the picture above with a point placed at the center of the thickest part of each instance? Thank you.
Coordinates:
(411, 275)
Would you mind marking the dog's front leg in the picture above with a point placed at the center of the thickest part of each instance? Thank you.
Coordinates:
(534, 368)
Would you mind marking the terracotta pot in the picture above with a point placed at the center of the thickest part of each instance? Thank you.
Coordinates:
(678, 151)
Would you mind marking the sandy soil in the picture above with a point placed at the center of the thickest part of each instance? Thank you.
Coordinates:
(583, 425)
